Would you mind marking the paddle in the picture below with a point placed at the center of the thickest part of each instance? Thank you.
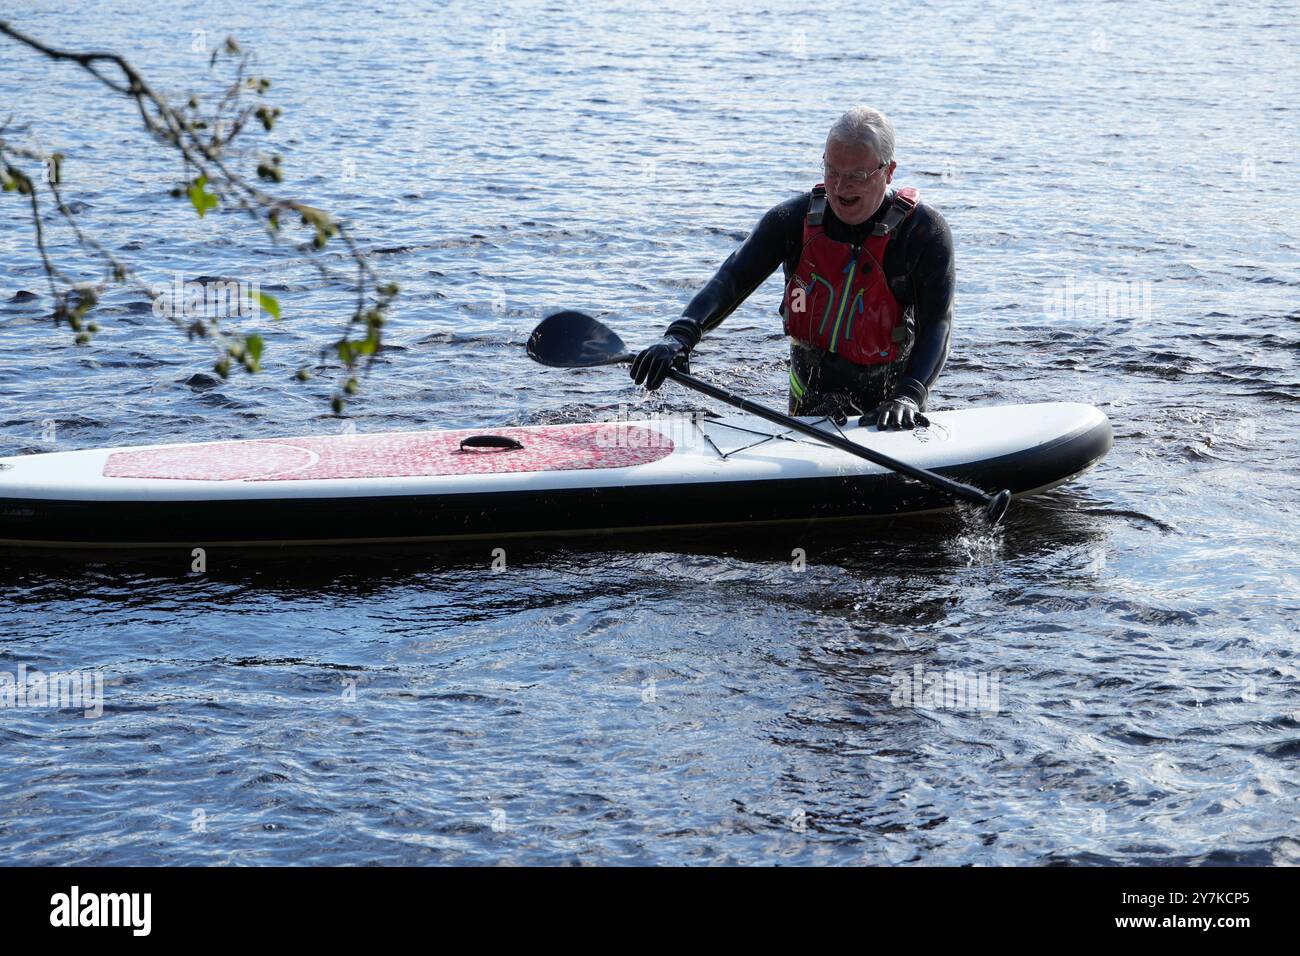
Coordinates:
(576, 340)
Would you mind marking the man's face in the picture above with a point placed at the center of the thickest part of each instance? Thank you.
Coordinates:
(852, 199)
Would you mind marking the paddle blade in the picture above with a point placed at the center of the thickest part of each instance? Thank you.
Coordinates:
(575, 340)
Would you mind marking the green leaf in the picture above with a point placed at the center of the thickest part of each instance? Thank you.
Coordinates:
(86, 300)
(267, 116)
(16, 179)
(311, 216)
(200, 198)
(270, 172)
(269, 304)
(254, 346)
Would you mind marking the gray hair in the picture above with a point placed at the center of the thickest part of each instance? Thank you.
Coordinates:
(863, 126)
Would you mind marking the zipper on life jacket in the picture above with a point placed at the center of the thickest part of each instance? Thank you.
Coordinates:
(844, 297)
(830, 303)
(855, 310)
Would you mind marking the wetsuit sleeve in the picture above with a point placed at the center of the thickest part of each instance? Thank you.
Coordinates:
(744, 271)
(932, 275)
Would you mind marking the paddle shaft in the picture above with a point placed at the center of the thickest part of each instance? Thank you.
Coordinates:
(571, 339)
(957, 488)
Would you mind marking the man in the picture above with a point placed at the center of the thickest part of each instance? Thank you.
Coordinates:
(869, 286)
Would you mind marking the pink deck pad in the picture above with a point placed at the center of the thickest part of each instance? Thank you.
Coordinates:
(396, 455)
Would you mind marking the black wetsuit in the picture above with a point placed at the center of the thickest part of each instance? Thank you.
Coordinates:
(919, 267)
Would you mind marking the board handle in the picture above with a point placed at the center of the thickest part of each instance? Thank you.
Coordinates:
(495, 442)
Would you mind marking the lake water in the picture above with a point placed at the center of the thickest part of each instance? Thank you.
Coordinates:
(1122, 191)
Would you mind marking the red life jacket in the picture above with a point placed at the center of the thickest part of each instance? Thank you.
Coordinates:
(838, 299)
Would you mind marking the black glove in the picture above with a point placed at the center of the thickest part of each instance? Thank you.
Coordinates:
(652, 364)
(899, 412)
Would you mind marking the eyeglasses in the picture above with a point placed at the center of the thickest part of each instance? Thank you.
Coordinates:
(859, 177)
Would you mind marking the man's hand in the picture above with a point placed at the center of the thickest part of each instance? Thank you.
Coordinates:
(895, 413)
(652, 364)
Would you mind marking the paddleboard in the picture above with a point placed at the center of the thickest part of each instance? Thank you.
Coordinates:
(498, 483)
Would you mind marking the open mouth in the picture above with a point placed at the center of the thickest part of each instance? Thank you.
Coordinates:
(848, 202)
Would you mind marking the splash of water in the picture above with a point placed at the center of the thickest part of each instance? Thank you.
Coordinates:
(976, 543)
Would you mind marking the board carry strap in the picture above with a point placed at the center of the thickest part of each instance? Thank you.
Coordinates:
(497, 442)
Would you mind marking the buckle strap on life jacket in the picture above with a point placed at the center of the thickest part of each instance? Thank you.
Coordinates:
(902, 206)
(817, 205)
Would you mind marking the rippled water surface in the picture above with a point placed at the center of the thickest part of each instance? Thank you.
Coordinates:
(684, 699)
